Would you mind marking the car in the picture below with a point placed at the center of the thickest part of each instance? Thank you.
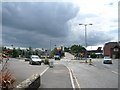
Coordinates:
(107, 60)
(27, 58)
(57, 57)
(34, 59)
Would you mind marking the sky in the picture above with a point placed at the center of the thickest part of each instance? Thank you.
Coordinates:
(45, 24)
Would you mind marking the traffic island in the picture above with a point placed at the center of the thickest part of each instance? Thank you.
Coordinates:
(57, 77)
(31, 83)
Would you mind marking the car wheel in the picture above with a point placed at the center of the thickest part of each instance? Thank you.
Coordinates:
(31, 63)
(39, 63)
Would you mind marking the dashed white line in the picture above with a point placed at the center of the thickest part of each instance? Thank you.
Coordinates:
(44, 71)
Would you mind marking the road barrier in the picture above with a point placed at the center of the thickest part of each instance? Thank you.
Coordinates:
(31, 83)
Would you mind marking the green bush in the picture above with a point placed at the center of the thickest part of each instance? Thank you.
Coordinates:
(93, 55)
(46, 61)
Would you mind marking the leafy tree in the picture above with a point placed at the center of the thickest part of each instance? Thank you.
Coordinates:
(15, 53)
(30, 51)
(53, 52)
(66, 49)
(93, 55)
(19, 51)
(77, 49)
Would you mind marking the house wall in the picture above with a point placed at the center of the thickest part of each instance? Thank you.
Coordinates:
(108, 49)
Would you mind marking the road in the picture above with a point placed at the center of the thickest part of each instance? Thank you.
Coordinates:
(23, 70)
(56, 77)
(98, 75)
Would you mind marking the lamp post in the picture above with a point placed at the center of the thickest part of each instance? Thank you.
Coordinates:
(50, 45)
(12, 50)
(86, 40)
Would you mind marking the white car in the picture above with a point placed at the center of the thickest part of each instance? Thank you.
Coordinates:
(34, 59)
(107, 60)
(57, 57)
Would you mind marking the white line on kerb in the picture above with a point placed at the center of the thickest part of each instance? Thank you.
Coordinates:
(76, 80)
(44, 71)
(71, 78)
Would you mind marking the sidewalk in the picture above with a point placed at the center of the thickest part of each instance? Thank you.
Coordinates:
(56, 77)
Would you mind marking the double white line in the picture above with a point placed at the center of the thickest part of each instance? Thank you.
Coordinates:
(73, 79)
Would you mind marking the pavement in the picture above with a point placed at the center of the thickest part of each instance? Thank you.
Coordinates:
(56, 77)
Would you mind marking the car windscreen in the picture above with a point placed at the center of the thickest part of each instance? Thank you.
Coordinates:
(35, 58)
(106, 57)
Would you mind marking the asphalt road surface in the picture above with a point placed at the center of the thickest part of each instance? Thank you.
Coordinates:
(22, 70)
(98, 75)
(56, 77)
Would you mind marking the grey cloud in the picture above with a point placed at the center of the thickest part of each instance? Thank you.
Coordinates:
(111, 3)
(96, 38)
(93, 38)
(23, 39)
(46, 18)
(35, 24)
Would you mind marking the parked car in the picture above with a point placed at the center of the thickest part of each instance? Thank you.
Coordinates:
(34, 59)
(107, 60)
(57, 57)
(27, 58)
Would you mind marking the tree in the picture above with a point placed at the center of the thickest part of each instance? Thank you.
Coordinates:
(66, 49)
(30, 51)
(93, 55)
(15, 53)
(53, 52)
(19, 51)
(75, 49)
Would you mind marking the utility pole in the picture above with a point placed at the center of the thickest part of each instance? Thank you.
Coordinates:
(86, 40)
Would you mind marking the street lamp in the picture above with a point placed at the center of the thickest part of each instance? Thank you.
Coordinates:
(12, 50)
(50, 45)
(86, 39)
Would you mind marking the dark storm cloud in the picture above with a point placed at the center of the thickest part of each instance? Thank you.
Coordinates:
(24, 38)
(35, 24)
(46, 18)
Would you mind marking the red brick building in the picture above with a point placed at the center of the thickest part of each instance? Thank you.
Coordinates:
(112, 49)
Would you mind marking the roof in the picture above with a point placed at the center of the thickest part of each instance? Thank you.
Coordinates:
(90, 48)
(111, 43)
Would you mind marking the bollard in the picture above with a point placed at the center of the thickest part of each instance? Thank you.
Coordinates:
(90, 61)
(51, 64)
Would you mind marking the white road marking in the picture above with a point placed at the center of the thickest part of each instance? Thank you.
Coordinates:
(76, 80)
(71, 78)
(114, 72)
(44, 71)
